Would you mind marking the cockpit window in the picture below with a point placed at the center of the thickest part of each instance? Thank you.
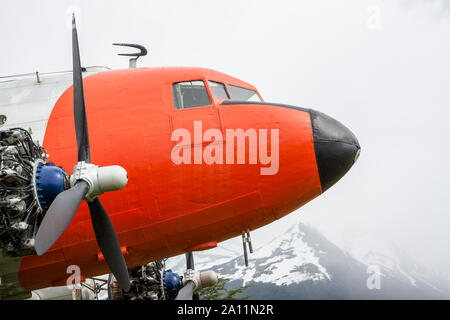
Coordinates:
(242, 94)
(189, 94)
(218, 90)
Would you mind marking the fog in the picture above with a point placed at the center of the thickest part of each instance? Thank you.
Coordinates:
(380, 67)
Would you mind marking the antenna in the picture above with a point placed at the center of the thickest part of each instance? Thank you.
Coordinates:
(136, 55)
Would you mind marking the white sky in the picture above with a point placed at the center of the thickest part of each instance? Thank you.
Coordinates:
(380, 67)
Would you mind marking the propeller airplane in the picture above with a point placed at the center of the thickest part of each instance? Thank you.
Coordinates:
(166, 161)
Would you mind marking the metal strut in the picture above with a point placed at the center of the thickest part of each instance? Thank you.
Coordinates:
(95, 286)
(246, 240)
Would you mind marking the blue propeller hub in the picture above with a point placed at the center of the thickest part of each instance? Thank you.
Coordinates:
(50, 181)
(171, 282)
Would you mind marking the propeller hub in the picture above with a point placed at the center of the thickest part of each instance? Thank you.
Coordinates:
(100, 179)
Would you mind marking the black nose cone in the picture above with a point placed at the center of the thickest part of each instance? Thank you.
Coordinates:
(335, 146)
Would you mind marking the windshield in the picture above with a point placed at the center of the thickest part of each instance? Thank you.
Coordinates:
(218, 90)
(242, 94)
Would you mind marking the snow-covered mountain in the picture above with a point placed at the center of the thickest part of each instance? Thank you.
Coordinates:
(302, 264)
(287, 259)
(396, 262)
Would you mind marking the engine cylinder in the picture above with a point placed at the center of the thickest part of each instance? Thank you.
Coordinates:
(22, 205)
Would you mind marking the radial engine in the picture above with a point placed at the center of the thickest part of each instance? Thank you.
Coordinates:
(28, 185)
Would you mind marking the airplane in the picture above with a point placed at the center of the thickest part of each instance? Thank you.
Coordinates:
(166, 161)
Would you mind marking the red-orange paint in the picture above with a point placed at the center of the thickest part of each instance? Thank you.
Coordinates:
(166, 208)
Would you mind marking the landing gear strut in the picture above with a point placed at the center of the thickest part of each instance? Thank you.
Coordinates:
(246, 240)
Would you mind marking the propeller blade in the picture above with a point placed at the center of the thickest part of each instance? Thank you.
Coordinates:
(186, 292)
(109, 243)
(103, 228)
(189, 260)
(79, 107)
(59, 215)
(190, 265)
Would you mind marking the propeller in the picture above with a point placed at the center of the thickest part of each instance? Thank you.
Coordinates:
(194, 280)
(187, 292)
(87, 182)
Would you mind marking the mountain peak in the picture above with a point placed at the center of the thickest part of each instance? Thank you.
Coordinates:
(301, 263)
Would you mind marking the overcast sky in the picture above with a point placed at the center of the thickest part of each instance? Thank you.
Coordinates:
(380, 67)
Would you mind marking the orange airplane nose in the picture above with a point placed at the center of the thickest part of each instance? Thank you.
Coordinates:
(335, 146)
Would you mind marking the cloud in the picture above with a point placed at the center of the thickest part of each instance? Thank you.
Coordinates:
(440, 7)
